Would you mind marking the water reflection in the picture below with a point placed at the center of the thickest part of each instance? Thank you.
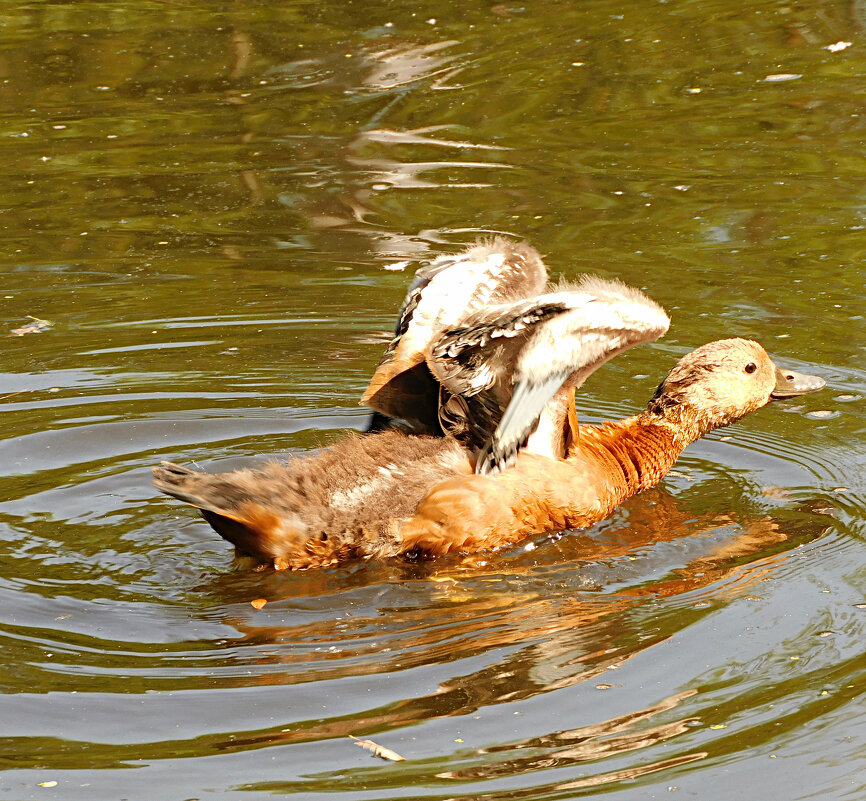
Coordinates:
(356, 210)
(609, 738)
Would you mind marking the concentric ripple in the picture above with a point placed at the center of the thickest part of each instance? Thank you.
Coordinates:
(132, 642)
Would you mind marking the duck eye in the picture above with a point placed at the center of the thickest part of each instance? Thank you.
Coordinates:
(751, 367)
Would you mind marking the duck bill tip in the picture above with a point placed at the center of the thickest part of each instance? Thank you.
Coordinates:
(790, 384)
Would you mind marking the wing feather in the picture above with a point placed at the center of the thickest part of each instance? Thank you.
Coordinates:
(444, 293)
(514, 358)
(519, 420)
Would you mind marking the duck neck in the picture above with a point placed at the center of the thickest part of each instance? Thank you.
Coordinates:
(643, 447)
(684, 423)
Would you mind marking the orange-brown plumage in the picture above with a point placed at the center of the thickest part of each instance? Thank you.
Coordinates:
(485, 355)
(606, 464)
(392, 493)
(323, 508)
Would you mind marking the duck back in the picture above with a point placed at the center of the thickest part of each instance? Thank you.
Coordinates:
(339, 503)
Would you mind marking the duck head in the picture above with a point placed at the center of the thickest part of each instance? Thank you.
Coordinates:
(721, 382)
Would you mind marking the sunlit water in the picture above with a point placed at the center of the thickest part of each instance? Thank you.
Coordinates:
(218, 212)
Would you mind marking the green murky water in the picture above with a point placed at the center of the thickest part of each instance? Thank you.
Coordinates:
(212, 203)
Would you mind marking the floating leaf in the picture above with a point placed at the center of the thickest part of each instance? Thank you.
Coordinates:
(378, 750)
(47, 784)
(258, 603)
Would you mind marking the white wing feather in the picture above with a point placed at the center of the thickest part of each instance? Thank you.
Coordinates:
(530, 350)
(443, 294)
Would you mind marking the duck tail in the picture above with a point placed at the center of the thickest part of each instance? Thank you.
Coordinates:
(233, 511)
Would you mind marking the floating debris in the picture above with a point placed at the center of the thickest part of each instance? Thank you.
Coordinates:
(837, 46)
(779, 77)
(258, 603)
(36, 327)
(822, 414)
(378, 750)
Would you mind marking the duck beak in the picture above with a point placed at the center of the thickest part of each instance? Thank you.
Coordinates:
(789, 384)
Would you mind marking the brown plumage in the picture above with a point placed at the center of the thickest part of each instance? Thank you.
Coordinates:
(323, 508)
(393, 493)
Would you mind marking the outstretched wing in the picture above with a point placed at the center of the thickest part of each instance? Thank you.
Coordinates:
(443, 294)
(506, 364)
(475, 365)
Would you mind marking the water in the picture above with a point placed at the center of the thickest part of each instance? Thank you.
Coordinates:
(214, 205)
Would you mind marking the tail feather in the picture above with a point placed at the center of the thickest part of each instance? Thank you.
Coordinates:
(245, 522)
(180, 482)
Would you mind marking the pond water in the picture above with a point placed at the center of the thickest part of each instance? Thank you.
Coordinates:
(218, 207)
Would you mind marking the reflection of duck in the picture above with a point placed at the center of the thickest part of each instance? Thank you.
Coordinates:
(483, 370)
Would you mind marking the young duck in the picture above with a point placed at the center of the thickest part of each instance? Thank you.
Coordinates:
(498, 379)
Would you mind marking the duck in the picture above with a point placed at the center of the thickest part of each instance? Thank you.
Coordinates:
(474, 443)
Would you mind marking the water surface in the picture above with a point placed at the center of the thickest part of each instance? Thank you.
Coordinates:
(218, 208)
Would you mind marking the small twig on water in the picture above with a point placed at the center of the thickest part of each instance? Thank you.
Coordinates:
(377, 750)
